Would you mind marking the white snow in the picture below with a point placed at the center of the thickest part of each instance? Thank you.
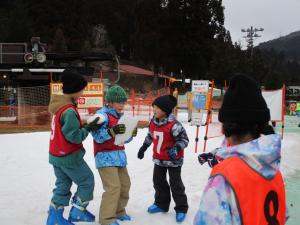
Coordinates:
(92, 118)
(27, 178)
(8, 119)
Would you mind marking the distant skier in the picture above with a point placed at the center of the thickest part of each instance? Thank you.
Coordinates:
(298, 111)
(169, 140)
(12, 104)
(66, 153)
(111, 160)
(245, 185)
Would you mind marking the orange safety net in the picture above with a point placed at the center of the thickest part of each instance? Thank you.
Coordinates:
(140, 104)
(24, 117)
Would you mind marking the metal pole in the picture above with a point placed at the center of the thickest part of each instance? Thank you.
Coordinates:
(197, 139)
(40, 70)
(208, 113)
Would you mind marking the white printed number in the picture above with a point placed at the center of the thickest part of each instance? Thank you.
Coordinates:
(160, 136)
(52, 128)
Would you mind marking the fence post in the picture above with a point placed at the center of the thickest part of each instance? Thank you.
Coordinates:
(133, 102)
(138, 109)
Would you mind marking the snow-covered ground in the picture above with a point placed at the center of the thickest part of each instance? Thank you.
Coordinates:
(27, 179)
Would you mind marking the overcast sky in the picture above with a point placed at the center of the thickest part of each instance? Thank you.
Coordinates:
(277, 17)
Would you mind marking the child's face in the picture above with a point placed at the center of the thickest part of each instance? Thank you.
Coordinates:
(158, 113)
(118, 106)
(76, 95)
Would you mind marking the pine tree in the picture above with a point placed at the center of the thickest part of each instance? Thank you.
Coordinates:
(178, 34)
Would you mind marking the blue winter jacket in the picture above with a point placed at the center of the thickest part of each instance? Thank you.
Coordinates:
(113, 158)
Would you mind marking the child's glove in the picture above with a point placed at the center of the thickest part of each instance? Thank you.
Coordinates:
(134, 133)
(173, 153)
(209, 158)
(142, 151)
(117, 129)
(93, 126)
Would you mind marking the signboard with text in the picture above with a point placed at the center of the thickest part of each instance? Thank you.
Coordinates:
(93, 95)
(199, 101)
(200, 86)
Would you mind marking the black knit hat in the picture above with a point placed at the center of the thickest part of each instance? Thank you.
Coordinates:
(244, 103)
(166, 103)
(72, 81)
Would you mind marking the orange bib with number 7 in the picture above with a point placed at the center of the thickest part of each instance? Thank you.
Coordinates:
(260, 201)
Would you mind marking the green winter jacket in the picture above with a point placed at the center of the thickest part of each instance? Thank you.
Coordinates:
(71, 130)
(298, 106)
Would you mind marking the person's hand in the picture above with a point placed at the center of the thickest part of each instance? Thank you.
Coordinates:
(142, 151)
(173, 153)
(209, 158)
(117, 129)
(93, 126)
(134, 133)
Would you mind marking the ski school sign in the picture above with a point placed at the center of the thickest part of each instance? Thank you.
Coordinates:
(201, 86)
(93, 95)
(200, 95)
(200, 104)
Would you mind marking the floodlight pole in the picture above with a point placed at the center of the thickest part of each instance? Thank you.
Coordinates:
(251, 35)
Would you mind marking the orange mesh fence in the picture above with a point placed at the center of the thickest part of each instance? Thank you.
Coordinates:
(140, 104)
(29, 112)
(24, 118)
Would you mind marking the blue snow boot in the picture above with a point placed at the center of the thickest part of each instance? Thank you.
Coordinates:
(55, 216)
(155, 209)
(114, 223)
(180, 217)
(124, 217)
(79, 213)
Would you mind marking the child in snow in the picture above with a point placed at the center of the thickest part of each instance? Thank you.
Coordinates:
(111, 159)
(245, 185)
(169, 140)
(66, 153)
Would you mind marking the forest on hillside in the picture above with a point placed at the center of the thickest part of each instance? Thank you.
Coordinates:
(183, 37)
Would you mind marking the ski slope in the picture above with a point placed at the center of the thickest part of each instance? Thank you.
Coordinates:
(27, 178)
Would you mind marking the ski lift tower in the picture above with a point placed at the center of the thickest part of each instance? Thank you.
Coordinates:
(251, 36)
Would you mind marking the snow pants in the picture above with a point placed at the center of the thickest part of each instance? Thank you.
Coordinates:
(162, 188)
(82, 176)
(116, 185)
